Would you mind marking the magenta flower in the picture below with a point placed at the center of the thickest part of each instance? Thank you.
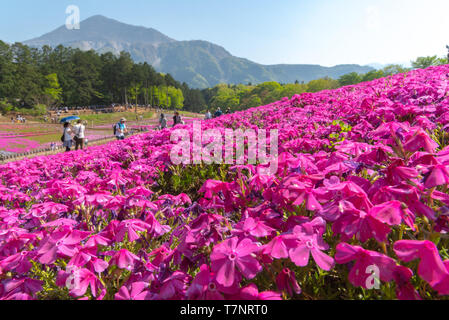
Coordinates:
(393, 213)
(253, 227)
(123, 259)
(136, 291)
(19, 262)
(431, 268)
(278, 247)
(64, 241)
(19, 289)
(175, 286)
(364, 226)
(48, 208)
(438, 176)
(286, 282)
(131, 227)
(204, 286)
(404, 289)
(82, 279)
(420, 140)
(232, 258)
(86, 256)
(364, 259)
(314, 245)
(251, 293)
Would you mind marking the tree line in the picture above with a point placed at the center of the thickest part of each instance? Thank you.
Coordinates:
(240, 97)
(32, 80)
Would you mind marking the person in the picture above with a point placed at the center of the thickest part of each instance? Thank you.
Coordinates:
(177, 119)
(162, 121)
(67, 137)
(218, 113)
(79, 130)
(208, 115)
(86, 142)
(228, 111)
(120, 129)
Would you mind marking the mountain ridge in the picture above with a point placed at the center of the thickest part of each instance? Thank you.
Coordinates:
(199, 63)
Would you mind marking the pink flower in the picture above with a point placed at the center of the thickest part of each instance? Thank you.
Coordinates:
(18, 289)
(123, 259)
(175, 286)
(307, 245)
(286, 281)
(392, 213)
(80, 282)
(364, 226)
(364, 259)
(136, 291)
(63, 241)
(251, 293)
(131, 227)
(231, 258)
(420, 140)
(404, 289)
(253, 227)
(431, 268)
(18, 262)
(278, 247)
(438, 176)
(205, 286)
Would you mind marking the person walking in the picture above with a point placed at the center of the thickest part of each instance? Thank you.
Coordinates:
(218, 113)
(120, 129)
(79, 131)
(67, 137)
(177, 119)
(162, 121)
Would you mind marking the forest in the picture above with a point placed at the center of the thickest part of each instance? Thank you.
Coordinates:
(34, 80)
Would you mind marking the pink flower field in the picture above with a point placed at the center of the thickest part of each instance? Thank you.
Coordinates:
(358, 207)
(34, 138)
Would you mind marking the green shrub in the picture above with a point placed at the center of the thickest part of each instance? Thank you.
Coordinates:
(36, 111)
(5, 107)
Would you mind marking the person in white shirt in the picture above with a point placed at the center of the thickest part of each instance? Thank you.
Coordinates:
(79, 131)
(67, 137)
(208, 115)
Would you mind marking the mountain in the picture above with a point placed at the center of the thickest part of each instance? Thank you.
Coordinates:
(200, 64)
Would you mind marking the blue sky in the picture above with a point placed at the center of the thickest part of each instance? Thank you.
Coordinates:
(326, 32)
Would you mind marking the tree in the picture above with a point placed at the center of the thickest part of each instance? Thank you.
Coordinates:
(52, 92)
(322, 84)
(350, 79)
(425, 62)
(392, 69)
(7, 70)
(372, 75)
(27, 78)
(176, 98)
